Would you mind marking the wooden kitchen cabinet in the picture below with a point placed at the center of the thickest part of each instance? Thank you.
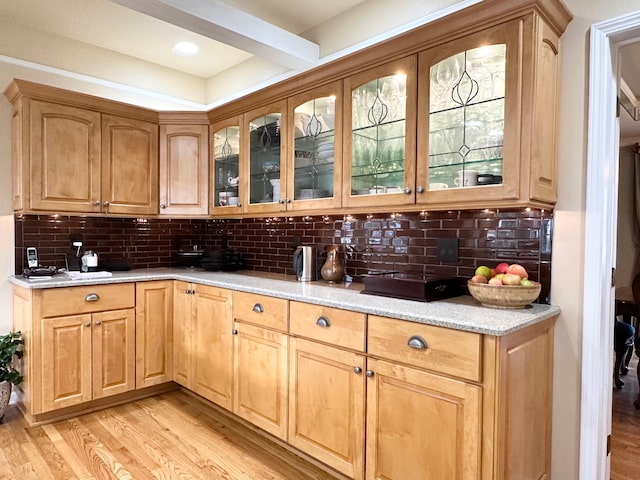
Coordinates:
(70, 155)
(154, 333)
(327, 385)
(224, 138)
(203, 347)
(261, 347)
(184, 164)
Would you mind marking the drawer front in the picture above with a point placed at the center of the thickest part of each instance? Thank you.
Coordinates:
(261, 310)
(439, 349)
(331, 325)
(87, 299)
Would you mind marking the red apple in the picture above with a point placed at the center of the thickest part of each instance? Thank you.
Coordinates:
(511, 279)
(478, 279)
(495, 281)
(493, 272)
(502, 267)
(518, 269)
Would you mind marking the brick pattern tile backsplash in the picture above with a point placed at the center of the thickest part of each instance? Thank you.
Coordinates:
(378, 242)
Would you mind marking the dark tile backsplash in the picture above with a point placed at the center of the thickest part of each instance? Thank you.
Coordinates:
(405, 243)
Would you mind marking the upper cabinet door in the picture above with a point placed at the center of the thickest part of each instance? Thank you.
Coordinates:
(227, 186)
(314, 166)
(129, 166)
(263, 155)
(184, 169)
(380, 135)
(65, 158)
(469, 121)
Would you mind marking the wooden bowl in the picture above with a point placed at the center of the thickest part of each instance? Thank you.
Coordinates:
(504, 296)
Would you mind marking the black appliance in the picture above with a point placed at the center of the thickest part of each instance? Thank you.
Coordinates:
(423, 288)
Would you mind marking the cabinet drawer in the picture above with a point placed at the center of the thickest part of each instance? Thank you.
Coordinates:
(448, 351)
(261, 310)
(331, 325)
(87, 299)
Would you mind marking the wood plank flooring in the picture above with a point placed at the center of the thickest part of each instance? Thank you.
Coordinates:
(625, 429)
(169, 436)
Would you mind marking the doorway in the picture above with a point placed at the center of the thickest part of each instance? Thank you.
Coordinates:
(600, 235)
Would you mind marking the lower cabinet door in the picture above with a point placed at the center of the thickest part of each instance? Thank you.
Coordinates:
(260, 378)
(183, 313)
(421, 425)
(114, 352)
(66, 361)
(327, 405)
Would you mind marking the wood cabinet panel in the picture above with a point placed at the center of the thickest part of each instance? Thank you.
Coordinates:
(113, 352)
(129, 166)
(261, 310)
(154, 333)
(421, 425)
(212, 345)
(327, 405)
(65, 158)
(448, 351)
(184, 169)
(260, 378)
(87, 299)
(330, 325)
(183, 313)
(66, 361)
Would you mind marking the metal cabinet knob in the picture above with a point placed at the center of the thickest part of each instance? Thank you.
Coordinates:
(357, 370)
(98, 322)
(369, 373)
(407, 190)
(323, 322)
(96, 202)
(234, 332)
(92, 297)
(288, 200)
(105, 203)
(417, 342)
(281, 202)
(87, 324)
(162, 205)
(420, 189)
(258, 308)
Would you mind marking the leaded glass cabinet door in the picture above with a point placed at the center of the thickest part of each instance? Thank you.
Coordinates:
(265, 156)
(468, 121)
(225, 167)
(379, 139)
(315, 139)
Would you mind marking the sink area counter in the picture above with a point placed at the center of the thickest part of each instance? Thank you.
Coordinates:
(462, 313)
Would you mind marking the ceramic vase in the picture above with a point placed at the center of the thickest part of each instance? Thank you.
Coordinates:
(332, 271)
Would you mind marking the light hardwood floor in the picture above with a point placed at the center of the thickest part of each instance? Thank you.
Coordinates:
(625, 429)
(169, 436)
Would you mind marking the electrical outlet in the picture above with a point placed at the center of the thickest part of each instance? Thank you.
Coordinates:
(447, 249)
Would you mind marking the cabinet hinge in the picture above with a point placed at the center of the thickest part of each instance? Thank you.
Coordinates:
(608, 444)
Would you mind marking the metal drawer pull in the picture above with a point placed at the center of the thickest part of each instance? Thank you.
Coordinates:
(98, 322)
(88, 324)
(417, 342)
(92, 297)
(369, 373)
(234, 332)
(323, 322)
(258, 308)
(357, 370)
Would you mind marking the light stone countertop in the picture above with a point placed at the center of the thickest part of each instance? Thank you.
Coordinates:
(461, 313)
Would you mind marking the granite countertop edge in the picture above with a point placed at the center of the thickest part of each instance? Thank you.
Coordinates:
(461, 313)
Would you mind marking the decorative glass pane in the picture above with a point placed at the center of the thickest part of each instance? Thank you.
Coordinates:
(378, 136)
(314, 146)
(466, 118)
(226, 147)
(264, 159)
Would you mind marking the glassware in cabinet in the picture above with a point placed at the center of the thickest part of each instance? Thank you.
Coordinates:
(225, 169)
(315, 139)
(468, 129)
(265, 152)
(379, 139)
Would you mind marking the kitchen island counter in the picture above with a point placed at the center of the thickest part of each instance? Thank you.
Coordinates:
(461, 313)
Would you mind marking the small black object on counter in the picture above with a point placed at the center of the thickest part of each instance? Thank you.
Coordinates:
(226, 260)
(422, 288)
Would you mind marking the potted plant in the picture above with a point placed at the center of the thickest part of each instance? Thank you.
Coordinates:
(11, 349)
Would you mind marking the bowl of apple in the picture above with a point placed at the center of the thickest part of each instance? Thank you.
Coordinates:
(506, 286)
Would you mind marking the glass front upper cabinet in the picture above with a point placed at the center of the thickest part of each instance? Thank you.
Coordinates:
(466, 129)
(265, 155)
(315, 138)
(225, 168)
(379, 151)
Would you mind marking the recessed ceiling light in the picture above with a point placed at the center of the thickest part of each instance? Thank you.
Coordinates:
(185, 49)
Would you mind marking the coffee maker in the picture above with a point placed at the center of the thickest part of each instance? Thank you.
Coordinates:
(73, 257)
(304, 263)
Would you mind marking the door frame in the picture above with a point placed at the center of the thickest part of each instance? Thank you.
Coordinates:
(603, 138)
